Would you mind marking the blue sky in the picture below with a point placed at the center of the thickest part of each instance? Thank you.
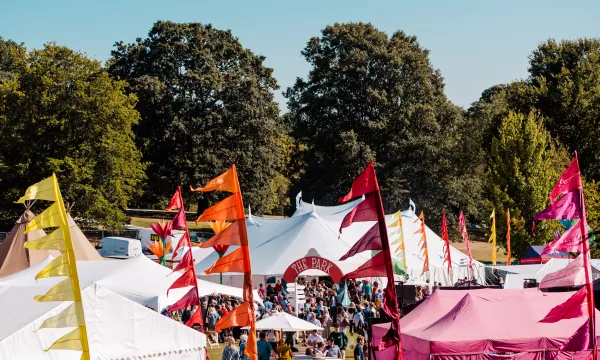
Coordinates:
(475, 44)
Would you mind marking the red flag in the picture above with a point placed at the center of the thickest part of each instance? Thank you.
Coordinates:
(574, 307)
(187, 279)
(177, 200)
(569, 181)
(183, 241)
(179, 221)
(365, 183)
(223, 210)
(186, 261)
(196, 319)
(462, 228)
(369, 241)
(375, 266)
(234, 262)
(444, 232)
(570, 241)
(189, 299)
(240, 316)
(365, 211)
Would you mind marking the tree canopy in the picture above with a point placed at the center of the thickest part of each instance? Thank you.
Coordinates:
(61, 112)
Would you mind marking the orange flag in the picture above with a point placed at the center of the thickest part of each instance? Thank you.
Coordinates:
(240, 316)
(229, 236)
(224, 182)
(423, 243)
(234, 262)
(223, 210)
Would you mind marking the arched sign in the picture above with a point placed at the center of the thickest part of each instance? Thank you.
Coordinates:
(312, 262)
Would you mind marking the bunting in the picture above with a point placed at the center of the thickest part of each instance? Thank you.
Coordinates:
(462, 229)
(444, 232)
(493, 236)
(400, 251)
(369, 241)
(508, 258)
(380, 264)
(232, 208)
(423, 242)
(65, 265)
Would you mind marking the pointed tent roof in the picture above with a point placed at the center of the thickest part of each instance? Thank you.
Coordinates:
(118, 328)
(13, 256)
(84, 251)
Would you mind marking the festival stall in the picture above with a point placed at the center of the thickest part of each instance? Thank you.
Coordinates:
(285, 322)
(117, 328)
(481, 324)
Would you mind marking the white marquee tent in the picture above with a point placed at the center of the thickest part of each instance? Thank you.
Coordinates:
(118, 328)
(517, 274)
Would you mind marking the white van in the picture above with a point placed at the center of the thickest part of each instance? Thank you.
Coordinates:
(119, 247)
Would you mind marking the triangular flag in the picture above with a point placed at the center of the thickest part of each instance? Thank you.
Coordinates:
(69, 341)
(187, 279)
(570, 241)
(369, 241)
(53, 241)
(186, 261)
(183, 241)
(580, 340)
(233, 262)
(65, 318)
(566, 208)
(189, 299)
(229, 236)
(224, 182)
(43, 190)
(179, 221)
(240, 316)
(63, 291)
(224, 210)
(365, 183)
(575, 306)
(569, 181)
(176, 201)
(57, 267)
(374, 267)
(48, 218)
(366, 210)
(196, 318)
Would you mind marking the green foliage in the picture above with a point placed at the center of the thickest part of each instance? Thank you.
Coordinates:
(61, 112)
(525, 164)
(206, 103)
(370, 96)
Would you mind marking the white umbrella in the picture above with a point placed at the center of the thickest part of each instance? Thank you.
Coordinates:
(285, 322)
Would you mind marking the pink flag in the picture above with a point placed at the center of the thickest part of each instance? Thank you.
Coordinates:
(580, 340)
(365, 183)
(375, 266)
(570, 241)
(366, 210)
(574, 307)
(569, 181)
(176, 201)
(566, 208)
(369, 241)
(179, 221)
(462, 228)
(189, 299)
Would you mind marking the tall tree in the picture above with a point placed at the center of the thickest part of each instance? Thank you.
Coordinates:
(371, 96)
(524, 165)
(206, 102)
(61, 112)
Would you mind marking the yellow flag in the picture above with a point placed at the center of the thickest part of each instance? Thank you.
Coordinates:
(44, 190)
(56, 267)
(66, 318)
(63, 291)
(493, 236)
(48, 218)
(70, 341)
(53, 241)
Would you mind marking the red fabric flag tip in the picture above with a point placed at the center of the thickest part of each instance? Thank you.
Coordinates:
(189, 299)
(183, 241)
(569, 181)
(375, 266)
(371, 240)
(176, 201)
(366, 210)
(227, 181)
(196, 319)
(229, 236)
(223, 210)
(574, 307)
(462, 228)
(240, 316)
(234, 262)
(570, 241)
(365, 183)
(179, 221)
(566, 208)
(186, 262)
(221, 249)
(187, 279)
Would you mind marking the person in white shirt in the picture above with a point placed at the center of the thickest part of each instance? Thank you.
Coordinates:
(314, 338)
(358, 319)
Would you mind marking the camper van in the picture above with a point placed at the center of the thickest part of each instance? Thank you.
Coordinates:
(119, 247)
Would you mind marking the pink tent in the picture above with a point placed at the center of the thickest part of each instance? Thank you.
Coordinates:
(479, 324)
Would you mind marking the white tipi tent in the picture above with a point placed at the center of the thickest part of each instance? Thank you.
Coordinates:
(117, 328)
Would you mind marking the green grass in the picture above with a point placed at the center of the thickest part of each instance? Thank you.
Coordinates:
(145, 222)
(481, 251)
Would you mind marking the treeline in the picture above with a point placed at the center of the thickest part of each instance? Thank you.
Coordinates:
(187, 101)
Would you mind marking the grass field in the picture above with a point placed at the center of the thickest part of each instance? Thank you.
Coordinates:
(145, 222)
(482, 251)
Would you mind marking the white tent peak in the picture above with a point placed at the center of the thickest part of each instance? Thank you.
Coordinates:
(299, 200)
(312, 252)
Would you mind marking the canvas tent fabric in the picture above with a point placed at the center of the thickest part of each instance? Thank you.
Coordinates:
(473, 324)
(83, 248)
(118, 328)
(285, 322)
(515, 275)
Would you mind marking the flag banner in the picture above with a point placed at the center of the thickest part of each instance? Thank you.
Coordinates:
(176, 201)
(229, 236)
(179, 221)
(53, 241)
(224, 182)
(400, 250)
(224, 210)
(444, 233)
(369, 241)
(508, 258)
(65, 318)
(569, 181)
(239, 316)
(233, 262)
(184, 241)
(365, 183)
(63, 291)
(188, 278)
(196, 318)
(69, 341)
(374, 267)
(580, 340)
(185, 263)
(423, 242)
(57, 267)
(47, 218)
(570, 241)
(43, 190)
(566, 208)
(574, 307)
(493, 236)
(189, 299)
(366, 210)
(462, 228)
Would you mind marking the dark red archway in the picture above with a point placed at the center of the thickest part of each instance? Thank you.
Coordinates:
(312, 262)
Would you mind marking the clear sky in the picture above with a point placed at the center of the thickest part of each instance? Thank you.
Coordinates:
(475, 43)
